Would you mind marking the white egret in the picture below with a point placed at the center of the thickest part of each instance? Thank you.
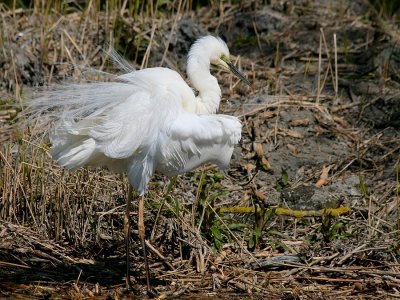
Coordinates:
(145, 121)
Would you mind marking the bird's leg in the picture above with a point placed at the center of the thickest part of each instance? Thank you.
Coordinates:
(127, 228)
(141, 230)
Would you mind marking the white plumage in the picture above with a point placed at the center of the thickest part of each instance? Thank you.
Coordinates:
(145, 121)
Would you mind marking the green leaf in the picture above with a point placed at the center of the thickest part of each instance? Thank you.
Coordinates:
(285, 177)
(234, 226)
(251, 242)
(363, 187)
(216, 232)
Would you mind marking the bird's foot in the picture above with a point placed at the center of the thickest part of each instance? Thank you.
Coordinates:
(151, 292)
(128, 284)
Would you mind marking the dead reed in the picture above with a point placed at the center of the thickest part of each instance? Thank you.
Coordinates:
(310, 142)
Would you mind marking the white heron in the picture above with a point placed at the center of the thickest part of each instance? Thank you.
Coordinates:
(145, 121)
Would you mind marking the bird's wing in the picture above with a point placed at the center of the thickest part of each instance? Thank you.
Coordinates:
(121, 117)
(192, 140)
(122, 135)
(126, 128)
(76, 112)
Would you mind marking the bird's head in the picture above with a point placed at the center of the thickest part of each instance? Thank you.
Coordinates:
(225, 63)
(216, 52)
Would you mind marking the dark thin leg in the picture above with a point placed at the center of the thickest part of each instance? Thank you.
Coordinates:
(141, 229)
(127, 229)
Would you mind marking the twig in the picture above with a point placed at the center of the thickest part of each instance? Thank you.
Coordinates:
(336, 67)
(171, 32)
(8, 264)
(344, 258)
(319, 67)
(162, 257)
(147, 53)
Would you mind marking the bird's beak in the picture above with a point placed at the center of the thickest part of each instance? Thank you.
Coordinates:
(228, 66)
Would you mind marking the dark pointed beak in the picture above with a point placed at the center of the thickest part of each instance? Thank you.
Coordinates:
(236, 72)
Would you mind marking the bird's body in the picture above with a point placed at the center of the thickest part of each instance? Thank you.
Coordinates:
(147, 121)
(144, 122)
(151, 128)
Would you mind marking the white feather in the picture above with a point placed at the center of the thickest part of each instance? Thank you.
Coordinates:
(144, 121)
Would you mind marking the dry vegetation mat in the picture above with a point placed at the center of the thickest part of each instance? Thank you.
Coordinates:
(310, 205)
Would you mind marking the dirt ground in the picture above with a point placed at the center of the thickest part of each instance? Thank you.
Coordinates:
(309, 208)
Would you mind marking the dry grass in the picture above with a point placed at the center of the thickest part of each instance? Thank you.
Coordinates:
(309, 142)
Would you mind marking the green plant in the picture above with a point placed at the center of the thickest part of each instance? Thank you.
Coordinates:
(330, 229)
(211, 225)
(394, 248)
(363, 187)
(387, 8)
(282, 182)
(261, 216)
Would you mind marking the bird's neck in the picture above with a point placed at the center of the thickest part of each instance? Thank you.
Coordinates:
(209, 91)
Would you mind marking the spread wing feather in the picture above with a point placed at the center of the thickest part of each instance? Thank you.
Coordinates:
(193, 140)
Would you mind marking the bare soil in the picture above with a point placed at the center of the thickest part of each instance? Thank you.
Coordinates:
(312, 140)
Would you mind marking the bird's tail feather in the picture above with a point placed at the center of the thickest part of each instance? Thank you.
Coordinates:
(75, 101)
(77, 151)
(118, 60)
